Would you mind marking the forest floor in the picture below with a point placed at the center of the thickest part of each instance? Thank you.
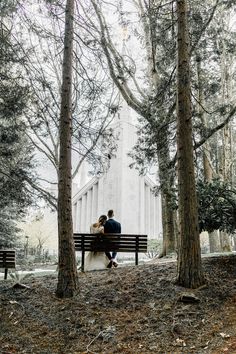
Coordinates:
(128, 310)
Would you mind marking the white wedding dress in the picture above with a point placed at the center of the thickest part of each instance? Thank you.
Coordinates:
(95, 260)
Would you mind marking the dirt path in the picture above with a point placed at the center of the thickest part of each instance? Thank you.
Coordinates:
(125, 310)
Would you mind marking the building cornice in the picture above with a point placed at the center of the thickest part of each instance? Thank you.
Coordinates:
(85, 188)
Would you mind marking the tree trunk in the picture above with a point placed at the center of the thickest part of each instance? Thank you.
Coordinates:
(225, 241)
(190, 273)
(227, 157)
(214, 241)
(168, 214)
(166, 182)
(67, 275)
(168, 226)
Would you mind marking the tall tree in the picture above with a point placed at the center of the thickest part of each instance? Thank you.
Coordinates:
(92, 138)
(16, 163)
(67, 275)
(214, 86)
(190, 273)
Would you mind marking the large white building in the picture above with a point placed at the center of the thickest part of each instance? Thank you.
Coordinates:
(120, 188)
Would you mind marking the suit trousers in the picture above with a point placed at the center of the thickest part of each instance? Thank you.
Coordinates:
(111, 256)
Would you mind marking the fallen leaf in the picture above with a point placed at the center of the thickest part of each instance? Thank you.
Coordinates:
(224, 335)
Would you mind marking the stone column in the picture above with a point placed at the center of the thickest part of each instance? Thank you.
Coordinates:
(100, 203)
(155, 216)
(152, 215)
(74, 213)
(141, 213)
(78, 215)
(147, 209)
(89, 209)
(83, 213)
(94, 203)
(158, 224)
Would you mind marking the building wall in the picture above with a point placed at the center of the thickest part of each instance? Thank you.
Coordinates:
(120, 189)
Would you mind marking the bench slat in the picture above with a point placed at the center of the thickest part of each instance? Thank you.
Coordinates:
(112, 237)
(7, 251)
(7, 261)
(7, 264)
(126, 236)
(7, 257)
(111, 240)
(109, 243)
(88, 236)
(107, 234)
(117, 242)
(111, 248)
(127, 250)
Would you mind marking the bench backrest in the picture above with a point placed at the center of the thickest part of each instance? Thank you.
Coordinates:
(7, 259)
(110, 242)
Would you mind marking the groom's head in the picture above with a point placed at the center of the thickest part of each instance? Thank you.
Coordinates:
(110, 213)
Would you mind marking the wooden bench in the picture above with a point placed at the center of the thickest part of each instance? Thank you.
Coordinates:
(110, 243)
(7, 260)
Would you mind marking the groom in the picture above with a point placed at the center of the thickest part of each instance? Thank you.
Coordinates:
(112, 227)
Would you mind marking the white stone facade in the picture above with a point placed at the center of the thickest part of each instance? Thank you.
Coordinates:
(120, 189)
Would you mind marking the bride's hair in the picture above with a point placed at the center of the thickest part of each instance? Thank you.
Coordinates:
(101, 221)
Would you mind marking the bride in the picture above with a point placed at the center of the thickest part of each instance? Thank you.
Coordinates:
(96, 260)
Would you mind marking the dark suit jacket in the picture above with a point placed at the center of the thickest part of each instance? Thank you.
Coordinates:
(112, 227)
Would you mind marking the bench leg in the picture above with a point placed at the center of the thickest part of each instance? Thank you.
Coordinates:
(82, 262)
(5, 275)
(136, 258)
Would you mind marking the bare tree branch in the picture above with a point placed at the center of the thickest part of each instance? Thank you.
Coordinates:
(214, 130)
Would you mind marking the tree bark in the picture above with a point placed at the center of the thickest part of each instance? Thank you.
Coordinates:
(67, 275)
(190, 273)
(168, 214)
(226, 160)
(163, 154)
(168, 225)
(225, 242)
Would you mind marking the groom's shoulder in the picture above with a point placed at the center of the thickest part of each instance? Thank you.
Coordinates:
(116, 222)
(112, 221)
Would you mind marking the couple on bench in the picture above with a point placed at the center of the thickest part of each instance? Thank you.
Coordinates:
(101, 260)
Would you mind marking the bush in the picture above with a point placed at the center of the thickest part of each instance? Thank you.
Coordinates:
(154, 248)
(217, 206)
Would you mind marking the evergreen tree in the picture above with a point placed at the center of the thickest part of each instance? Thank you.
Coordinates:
(189, 255)
(217, 206)
(67, 274)
(94, 100)
(15, 151)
